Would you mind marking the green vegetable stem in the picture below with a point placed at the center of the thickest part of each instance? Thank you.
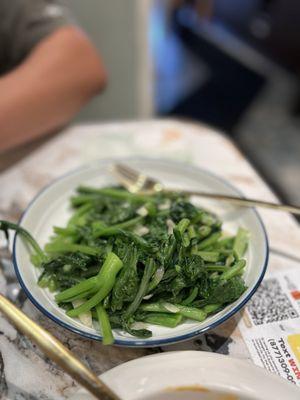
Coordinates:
(133, 258)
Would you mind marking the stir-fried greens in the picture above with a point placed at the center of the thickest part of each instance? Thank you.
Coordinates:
(125, 258)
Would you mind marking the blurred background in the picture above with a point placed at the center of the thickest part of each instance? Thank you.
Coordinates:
(233, 64)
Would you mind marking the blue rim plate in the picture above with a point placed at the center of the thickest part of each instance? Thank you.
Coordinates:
(50, 207)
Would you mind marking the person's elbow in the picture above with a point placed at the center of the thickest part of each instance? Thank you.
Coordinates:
(91, 72)
(94, 79)
(75, 66)
(94, 73)
(99, 79)
(67, 80)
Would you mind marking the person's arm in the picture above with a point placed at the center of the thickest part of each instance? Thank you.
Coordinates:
(61, 73)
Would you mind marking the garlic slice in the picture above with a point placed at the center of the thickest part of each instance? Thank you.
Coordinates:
(170, 307)
(141, 230)
(142, 211)
(85, 318)
(170, 224)
(138, 325)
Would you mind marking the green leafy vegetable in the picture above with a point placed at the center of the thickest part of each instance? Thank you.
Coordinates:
(128, 259)
(38, 256)
(104, 324)
(240, 242)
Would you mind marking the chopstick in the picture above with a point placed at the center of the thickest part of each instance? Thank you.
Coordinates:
(55, 350)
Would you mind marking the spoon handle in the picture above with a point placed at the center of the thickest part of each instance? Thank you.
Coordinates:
(56, 351)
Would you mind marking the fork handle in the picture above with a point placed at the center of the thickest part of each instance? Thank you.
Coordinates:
(239, 201)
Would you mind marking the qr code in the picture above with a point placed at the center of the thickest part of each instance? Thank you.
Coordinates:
(270, 304)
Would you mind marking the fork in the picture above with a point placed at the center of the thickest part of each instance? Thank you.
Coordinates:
(134, 182)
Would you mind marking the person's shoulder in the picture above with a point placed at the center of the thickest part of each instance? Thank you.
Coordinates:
(26, 22)
(19, 8)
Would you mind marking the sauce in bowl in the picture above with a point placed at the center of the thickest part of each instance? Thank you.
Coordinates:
(194, 392)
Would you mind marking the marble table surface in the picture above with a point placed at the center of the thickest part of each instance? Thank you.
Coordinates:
(25, 373)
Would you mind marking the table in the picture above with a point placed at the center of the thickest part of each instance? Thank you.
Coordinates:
(24, 372)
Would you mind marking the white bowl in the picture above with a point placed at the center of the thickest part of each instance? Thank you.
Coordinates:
(51, 207)
(157, 377)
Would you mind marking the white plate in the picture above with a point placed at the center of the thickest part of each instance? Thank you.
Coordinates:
(153, 376)
(51, 207)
